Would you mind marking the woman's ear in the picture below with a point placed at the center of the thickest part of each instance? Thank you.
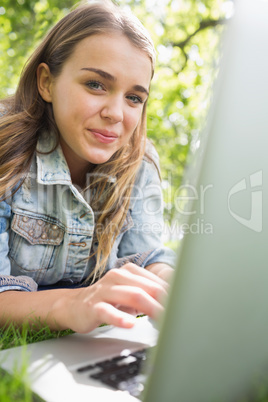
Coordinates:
(44, 82)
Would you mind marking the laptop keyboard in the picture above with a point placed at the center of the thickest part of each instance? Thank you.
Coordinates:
(123, 372)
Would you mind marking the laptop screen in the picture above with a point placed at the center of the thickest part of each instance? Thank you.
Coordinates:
(213, 338)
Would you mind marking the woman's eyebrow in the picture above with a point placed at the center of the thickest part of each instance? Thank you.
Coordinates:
(102, 73)
(140, 88)
(110, 77)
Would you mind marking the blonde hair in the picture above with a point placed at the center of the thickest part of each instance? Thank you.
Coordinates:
(27, 115)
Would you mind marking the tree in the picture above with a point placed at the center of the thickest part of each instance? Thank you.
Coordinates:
(22, 25)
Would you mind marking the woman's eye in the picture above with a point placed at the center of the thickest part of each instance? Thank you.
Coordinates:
(135, 99)
(95, 85)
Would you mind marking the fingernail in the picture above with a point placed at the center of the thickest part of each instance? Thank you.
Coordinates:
(129, 322)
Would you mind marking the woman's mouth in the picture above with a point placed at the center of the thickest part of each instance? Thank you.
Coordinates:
(104, 136)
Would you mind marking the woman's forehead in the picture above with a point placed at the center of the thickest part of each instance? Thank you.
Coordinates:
(114, 52)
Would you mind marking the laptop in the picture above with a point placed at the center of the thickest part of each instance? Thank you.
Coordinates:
(212, 342)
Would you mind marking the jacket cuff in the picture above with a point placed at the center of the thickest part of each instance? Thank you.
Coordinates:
(9, 282)
(140, 259)
(162, 255)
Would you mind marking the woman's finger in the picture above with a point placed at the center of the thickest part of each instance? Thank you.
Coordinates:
(132, 277)
(111, 315)
(135, 298)
(135, 269)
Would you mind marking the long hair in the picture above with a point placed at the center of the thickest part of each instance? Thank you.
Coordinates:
(27, 115)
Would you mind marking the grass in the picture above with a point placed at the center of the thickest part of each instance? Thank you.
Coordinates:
(16, 387)
(10, 336)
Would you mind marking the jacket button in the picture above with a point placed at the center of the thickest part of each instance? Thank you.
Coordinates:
(39, 222)
(54, 227)
(25, 219)
(31, 232)
(43, 236)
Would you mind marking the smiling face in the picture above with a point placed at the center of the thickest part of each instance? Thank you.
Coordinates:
(98, 98)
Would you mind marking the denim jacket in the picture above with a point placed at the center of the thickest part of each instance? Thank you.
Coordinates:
(46, 227)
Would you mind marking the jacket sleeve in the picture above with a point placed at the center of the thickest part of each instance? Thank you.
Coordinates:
(142, 243)
(7, 281)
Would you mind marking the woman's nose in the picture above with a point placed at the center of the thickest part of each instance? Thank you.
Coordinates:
(113, 109)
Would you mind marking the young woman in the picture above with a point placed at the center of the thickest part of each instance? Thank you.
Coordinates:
(80, 210)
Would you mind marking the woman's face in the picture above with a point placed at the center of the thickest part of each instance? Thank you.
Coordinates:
(98, 97)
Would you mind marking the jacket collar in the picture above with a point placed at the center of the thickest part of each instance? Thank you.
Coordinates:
(52, 167)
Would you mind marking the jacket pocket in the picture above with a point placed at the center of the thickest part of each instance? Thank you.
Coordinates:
(34, 243)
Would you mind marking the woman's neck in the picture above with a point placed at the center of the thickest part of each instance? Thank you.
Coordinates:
(79, 169)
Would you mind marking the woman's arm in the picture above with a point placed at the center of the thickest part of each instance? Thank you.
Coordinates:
(129, 288)
(144, 237)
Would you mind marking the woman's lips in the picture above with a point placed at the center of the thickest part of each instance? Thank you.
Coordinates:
(104, 136)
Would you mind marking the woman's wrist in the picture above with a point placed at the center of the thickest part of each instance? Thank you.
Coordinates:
(59, 317)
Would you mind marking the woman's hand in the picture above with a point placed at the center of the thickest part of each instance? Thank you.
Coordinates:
(113, 299)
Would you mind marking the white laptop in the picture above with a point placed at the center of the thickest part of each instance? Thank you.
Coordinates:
(213, 338)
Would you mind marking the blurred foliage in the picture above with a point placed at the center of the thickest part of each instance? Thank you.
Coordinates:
(186, 34)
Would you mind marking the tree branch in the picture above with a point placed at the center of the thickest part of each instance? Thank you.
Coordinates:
(203, 25)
